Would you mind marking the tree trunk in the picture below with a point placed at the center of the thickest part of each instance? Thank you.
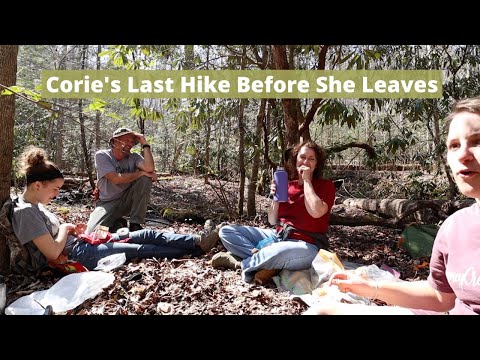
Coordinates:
(97, 113)
(252, 187)
(208, 134)
(290, 106)
(60, 120)
(8, 77)
(176, 155)
(362, 220)
(81, 118)
(241, 156)
(297, 125)
(393, 213)
(208, 125)
(220, 127)
(241, 142)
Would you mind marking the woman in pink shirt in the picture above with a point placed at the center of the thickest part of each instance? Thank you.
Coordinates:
(453, 285)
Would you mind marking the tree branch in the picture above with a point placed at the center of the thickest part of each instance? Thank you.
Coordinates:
(369, 149)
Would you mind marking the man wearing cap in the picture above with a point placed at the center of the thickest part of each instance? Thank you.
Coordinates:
(124, 181)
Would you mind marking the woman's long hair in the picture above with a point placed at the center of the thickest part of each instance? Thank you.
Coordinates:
(291, 160)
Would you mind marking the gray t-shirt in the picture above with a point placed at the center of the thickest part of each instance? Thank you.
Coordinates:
(106, 163)
(33, 220)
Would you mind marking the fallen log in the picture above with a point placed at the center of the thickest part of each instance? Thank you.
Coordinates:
(362, 220)
(73, 182)
(393, 213)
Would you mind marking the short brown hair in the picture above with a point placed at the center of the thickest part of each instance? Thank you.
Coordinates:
(471, 105)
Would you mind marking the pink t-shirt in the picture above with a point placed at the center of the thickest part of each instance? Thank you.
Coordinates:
(455, 261)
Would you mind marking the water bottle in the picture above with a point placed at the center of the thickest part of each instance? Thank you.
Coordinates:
(281, 181)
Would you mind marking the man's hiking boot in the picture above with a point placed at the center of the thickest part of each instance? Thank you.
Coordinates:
(119, 223)
(226, 260)
(208, 236)
(264, 276)
(135, 227)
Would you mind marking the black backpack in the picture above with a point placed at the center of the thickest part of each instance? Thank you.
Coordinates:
(15, 257)
(320, 240)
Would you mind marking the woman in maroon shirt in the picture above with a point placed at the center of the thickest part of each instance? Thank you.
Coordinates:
(300, 223)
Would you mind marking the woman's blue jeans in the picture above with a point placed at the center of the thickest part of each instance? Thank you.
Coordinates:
(291, 254)
(142, 244)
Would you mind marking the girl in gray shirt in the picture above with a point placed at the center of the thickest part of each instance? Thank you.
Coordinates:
(39, 229)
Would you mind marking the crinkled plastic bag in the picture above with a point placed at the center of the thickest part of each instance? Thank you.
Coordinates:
(111, 262)
(331, 294)
(69, 292)
(373, 272)
(323, 266)
(296, 282)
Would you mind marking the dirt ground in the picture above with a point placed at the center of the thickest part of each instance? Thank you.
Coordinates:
(190, 285)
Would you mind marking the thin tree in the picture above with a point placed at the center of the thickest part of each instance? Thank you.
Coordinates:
(81, 117)
(241, 143)
(59, 144)
(251, 210)
(8, 77)
(98, 137)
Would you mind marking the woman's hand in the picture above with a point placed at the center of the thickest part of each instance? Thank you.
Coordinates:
(305, 173)
(69, 228)
(351, 282)
(62, 259)
(273, 187)
(273, 209)
(80, 229)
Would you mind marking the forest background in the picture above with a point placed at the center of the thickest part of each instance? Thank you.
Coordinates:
(238, 140)
(242, 140)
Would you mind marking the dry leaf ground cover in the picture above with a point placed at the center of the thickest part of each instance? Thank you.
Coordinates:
(190, 285)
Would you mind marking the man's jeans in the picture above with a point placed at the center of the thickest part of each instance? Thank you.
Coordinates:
(134, 202)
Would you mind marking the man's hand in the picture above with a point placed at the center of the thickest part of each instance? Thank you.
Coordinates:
(96, 194)
(151, 175)
(140, 138)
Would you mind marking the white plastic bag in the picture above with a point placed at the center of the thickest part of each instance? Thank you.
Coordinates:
(296, 282)
(69, 292)
(324, 265)
(3, 296)
(111, 262)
